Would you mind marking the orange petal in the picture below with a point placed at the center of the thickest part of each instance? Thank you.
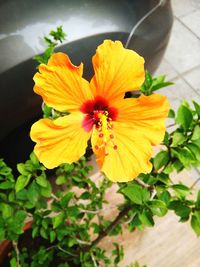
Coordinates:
(117, 70)
(60, 141)
(146, 115)
(61, 85)
(128, 154)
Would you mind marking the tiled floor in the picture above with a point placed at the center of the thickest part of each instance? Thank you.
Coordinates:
(181, 62)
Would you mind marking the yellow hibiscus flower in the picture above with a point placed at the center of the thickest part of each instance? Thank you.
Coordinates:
(122, 131)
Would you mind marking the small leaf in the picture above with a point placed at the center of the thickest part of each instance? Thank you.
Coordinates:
(181, 190)
(197, 108)
(196, 133)
(171, 114)
(178, 138)
(42, 181)
(134, 193)
(6, 185)
(195, 223)
(146, 218)
(161, 159)
(52, 236)
(158, 207)
(184, 117)
(58, 220)
(21, 182)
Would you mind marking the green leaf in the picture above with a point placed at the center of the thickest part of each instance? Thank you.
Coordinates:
(178, 138)
(72, 212)
(198, 200)
(7, 210)
(52, 236)
(196, 133)
(146, 218)
(171, 114)
(180, 209)
(184, 117)
(46, 191)
(6, 185)
(181, 190)
(43, 233)
(197, 108)
(161, 159)
(165, 197)
(20, 216)
(21, 182)
(33, 193)
(195, 150)
(61, 179)
(158, 207)
(65, 200)
(42, 181)
(185, 156)
(58, 220)
(195, 223)
(135, 193)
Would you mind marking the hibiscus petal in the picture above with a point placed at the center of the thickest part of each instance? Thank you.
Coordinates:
(128, 154)
(60, 141)
(61, 85)
(117, 70)
(145, 114)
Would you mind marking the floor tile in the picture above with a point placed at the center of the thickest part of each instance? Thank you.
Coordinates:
(193, 78)
(183, 51)
(183, 7)
(167, 69)
(192, 21)
(178, 92)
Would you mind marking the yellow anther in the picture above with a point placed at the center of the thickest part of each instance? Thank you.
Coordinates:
(103, 118)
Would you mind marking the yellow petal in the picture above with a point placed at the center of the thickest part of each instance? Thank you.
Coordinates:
(61, 85)
(128, 154)
(60, 141)
(117, 70)
(146, 115)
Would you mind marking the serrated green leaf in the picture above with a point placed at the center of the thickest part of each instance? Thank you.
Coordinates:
(171, 114)
(158, 207)
(57, 220)
(195, 150)
(46, 191)
(21, 182)
(178, 138)
(33, 193)
(65, 200)
(52, 236)
(195, 223)
(161, 159)
(197, 108)
(134, 193)
(43, 233)
(185, 156)
(196, 133)
(6, 209)
(198, 200)
(61, 179)
(181, 190)
(6, 185)
(184, 117)
(146, 218)
(42, 181)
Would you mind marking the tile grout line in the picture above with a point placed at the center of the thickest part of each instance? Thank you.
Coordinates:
(188, 28)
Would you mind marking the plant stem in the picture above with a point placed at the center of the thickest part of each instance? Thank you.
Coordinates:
(17, 252)
(112, 225)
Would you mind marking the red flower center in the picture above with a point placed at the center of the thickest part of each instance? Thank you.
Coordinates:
(95, 110)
